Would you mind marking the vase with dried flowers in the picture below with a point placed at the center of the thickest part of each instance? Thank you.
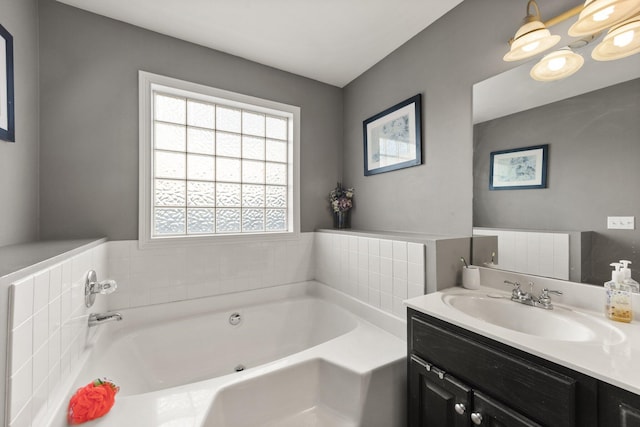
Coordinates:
(341, 200)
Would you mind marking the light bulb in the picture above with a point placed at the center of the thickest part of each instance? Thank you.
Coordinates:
(603, 14)
(531, 46)
(598, 15)
(622, 40)
(556, 64)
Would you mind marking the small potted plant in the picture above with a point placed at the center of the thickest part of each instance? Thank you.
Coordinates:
(341, 200)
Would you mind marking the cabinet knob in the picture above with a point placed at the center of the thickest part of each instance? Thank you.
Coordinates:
(476, 418)
(460, 409)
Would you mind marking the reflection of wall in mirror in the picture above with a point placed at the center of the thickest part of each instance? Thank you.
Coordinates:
(593, 171)
(560, 255)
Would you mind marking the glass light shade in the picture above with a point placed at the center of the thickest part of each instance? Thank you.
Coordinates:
(557, 65)
(621, 41)
(530, 39)
(599, 15)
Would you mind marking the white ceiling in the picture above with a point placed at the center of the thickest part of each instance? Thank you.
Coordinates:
(333, 41)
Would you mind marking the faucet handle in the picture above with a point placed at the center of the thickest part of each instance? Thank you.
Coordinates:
(516, 293)
(546, 292)
(93, 287)
(105, 287)
(545, 300)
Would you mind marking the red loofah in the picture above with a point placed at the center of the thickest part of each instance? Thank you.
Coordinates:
(92, 401)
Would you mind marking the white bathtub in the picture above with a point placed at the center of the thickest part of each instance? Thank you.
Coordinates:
(306, 360)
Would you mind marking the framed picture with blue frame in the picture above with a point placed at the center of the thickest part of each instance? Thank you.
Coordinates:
(393, 138)
(7, 112)
(519, 168)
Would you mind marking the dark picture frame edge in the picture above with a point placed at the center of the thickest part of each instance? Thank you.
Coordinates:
(9, 134)
(543, 178)
(417, 99)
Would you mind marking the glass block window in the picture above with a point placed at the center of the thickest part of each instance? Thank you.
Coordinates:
(217, 167)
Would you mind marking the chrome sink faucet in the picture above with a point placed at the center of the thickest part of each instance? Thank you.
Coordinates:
(99, 318)
(543, 301)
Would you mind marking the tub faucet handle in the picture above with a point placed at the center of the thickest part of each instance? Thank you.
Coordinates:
(92, 287)
(105, 287)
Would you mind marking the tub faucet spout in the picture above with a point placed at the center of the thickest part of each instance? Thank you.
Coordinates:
(99, 318)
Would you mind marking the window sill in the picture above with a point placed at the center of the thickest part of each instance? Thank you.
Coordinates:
(226, 239)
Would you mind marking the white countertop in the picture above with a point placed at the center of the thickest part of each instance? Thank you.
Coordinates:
(613, 362)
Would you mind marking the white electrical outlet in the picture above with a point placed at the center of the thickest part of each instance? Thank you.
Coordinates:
(621, 222)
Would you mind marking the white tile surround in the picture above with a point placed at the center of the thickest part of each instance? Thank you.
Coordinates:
(48, 320)
(153, 276)
(47, 334)
(380, 272)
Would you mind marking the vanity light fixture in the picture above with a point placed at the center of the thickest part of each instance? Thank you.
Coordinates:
(599, 15)
(622, 17)
(531, 38)
(557, 65)
(621, 41)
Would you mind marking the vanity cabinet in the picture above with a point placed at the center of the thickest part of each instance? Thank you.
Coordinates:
(499, 386)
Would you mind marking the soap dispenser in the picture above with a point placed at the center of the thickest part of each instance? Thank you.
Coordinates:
(626, 276)
(618, 297)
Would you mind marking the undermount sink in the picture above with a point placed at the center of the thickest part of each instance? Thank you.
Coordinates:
(559, 324)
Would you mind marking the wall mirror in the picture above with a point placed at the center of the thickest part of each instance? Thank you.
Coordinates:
(590, 121)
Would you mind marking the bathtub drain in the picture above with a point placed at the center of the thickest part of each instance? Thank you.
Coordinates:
(235, 319)
(239, 368)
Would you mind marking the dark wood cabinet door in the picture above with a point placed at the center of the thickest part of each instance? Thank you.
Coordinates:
(617, 407)
(629, 416)
(435, 398)
(489, 413)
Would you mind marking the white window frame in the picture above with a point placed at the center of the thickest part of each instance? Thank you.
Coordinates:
(147, 83)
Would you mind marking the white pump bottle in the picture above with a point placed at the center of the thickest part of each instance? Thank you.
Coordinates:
(626, 276)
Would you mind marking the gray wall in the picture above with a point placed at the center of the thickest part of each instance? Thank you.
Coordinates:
(593, 171)
(89, 122)
(442, 62)
(19, 161)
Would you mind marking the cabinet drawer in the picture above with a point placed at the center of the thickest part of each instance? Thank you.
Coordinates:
(542, 394)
